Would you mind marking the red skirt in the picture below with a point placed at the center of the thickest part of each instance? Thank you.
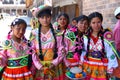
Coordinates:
(17, 73)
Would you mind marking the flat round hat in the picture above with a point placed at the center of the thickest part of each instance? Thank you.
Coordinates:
(42, 8)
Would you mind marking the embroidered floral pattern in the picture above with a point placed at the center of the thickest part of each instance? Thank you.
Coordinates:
(18, 62)
(112, 57)
(7, 44)
(71, 35)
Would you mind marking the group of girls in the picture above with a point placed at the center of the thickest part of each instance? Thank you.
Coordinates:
(51, 51)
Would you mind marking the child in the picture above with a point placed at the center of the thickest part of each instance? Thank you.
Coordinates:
(63, 21)
(15, 61)
(45, 41)
(82, 24)
(97, 57)
(74, 22)
(63, 33)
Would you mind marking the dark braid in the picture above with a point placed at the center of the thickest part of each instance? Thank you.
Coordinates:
(79, 41)
(63, 36)
(102, 38)
(103, 49)
(101, 33)
(65, 27)
(91, 16)
(39, 40)
(40, 45)
(30, 55)
(55, 48)
(88, 45)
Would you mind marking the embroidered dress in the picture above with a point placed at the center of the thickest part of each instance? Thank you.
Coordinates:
(14, 59)
(48, 43)
(75, 47)
(95, 66)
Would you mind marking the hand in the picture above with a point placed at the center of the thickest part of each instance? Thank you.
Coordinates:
(51, 66)
(42, 69)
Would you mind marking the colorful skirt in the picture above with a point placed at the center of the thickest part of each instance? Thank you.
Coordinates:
(96, 69)
(17, 69)
(56, 73)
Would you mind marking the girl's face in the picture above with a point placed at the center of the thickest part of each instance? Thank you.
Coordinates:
(18, 30)
(62, 21)
(74, 22)
(96, 24)
(45, 20)
(82, 25)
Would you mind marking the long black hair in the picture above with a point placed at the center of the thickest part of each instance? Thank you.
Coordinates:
(46, 12)
(100, 33)
(40, 44)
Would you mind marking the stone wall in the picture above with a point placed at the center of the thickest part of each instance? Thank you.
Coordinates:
(106, 7)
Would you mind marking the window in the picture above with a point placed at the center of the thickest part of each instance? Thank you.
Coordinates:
(5, 2)
(22, 2)
(11, 2)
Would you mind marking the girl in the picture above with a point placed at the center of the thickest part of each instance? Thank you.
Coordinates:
(15, 54)
(62, 34)
(45, 41)
(82, 25)
(97, 57)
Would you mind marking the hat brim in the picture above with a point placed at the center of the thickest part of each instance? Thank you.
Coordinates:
(117, 11)
(45, 8)
(33, 9)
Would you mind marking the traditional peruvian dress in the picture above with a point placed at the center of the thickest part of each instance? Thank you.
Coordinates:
(75, 47)
(95, 65)
(14, 60)
(48, 46)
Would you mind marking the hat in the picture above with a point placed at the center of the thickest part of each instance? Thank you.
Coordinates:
(33, 9)
(117, 11)
(18, 21)
(42, 8)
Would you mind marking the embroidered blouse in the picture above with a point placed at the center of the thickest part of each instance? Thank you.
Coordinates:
(112, 60)
(48, 42)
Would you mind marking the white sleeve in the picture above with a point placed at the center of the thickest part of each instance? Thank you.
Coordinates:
(112, 60)
(84, 49)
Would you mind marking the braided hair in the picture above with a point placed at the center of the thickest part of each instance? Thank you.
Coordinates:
(100, 34)
(46, 12)
(18, 21)
(79, 43)
(40, 44)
